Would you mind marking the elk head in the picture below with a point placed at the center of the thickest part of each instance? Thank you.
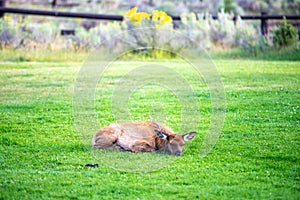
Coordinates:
(174, 142)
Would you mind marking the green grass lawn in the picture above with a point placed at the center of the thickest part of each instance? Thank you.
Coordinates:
(256, 156)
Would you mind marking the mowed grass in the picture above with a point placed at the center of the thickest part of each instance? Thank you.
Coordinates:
(256, 156)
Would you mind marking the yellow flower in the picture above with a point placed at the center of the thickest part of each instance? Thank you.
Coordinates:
(136, 17)
(161, 16)
(7, 18)
(154, 18)
(166, 19)
(131, 12)
(155, 15)
(145, 15)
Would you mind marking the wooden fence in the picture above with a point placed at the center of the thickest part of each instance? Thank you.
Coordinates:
(264, 17)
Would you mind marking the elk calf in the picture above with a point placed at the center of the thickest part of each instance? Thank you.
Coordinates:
(145, 136)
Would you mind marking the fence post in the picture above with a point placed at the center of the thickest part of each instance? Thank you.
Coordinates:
(264, 25)
(2, 4)
(54, 3)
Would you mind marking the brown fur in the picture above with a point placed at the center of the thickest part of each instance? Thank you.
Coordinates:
(138, 137)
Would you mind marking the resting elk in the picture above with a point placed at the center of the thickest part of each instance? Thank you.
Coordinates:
(147, 136)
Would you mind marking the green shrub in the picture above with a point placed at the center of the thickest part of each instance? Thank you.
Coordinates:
(285, 35)
(229, 6)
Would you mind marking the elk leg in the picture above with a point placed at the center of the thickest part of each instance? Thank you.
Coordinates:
(142, 147)
(105, 140)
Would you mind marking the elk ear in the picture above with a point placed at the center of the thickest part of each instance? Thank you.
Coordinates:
(189, 136)
(161, 135)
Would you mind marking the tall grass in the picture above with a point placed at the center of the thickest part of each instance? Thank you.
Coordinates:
(19, 55)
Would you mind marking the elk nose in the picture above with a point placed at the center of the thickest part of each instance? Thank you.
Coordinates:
(178, 153)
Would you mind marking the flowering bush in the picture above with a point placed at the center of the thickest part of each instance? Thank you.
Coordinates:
(136, 18)
(158, 18)
(147, 30)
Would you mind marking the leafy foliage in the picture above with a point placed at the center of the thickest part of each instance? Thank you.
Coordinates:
(285, 35)
(229, 6)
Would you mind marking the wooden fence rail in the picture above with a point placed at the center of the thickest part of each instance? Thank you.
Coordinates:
(264, 17)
